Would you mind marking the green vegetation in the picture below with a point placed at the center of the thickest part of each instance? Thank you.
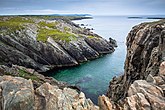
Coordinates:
(49, 29)
(26, 75)
(10, 24)
(14, 23)
(44, 33)
(66, 29)
(91, 37)
(50, 25)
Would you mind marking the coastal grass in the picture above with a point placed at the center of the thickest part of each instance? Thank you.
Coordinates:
(26, 75)
(50, 25)
(14, 23)
(57, 35)
(45, 29)
(91, 37)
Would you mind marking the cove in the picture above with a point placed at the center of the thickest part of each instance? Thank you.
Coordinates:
(93, 76)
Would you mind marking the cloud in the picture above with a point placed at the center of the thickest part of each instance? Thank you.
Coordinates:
(32, 12)
(98, 7)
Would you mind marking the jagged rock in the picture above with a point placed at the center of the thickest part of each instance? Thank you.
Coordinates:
(145, 51)
(39, 93)
(21, 46)
(19, 94)
(16, 93)
(104, 103)
(102, 46)
(54, 98)
(136, 102)
(113, 42)
(37, 79)
(142, 85)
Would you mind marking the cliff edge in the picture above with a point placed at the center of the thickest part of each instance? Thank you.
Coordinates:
(43, 44)
(142, 85)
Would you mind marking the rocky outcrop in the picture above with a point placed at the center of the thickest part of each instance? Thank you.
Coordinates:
(16, 93)
(145, 47)
(146, 94)
(142, 85)
(113, 42)
(47, 44)
(32, 91)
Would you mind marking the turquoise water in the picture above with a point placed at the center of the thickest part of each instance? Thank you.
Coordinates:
(93, 77)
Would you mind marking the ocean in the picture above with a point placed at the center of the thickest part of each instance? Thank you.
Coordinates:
(93, 77)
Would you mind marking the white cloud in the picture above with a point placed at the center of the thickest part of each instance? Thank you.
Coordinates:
(35, 12)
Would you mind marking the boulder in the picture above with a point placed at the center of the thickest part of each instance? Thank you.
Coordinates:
(16, 93)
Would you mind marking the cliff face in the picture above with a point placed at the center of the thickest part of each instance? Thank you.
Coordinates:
(44, 44)
(142, 82)
(146, 94)
(144, 54)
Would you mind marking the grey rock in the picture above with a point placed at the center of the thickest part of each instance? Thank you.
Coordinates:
(20, 47)
(16, 93)
(145, 44)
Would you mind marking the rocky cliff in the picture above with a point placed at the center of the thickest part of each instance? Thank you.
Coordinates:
(25, 89)
(44, 44)
(142, 85)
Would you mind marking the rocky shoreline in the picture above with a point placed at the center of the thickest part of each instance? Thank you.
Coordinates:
(44, 44)
(25, 89)
(142, 87)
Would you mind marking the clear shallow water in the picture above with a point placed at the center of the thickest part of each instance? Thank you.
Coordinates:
(93, 77)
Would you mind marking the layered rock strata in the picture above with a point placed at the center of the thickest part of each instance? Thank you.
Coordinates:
(47, 44)
(142, 85)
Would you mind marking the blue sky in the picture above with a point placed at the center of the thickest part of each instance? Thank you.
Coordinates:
(94, 7)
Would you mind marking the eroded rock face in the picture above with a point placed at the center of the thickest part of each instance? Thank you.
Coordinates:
(52, 98)
(17, 93)
(21, 46)
(142, 85)
(142, 94)
(36, 92)
(145, 51)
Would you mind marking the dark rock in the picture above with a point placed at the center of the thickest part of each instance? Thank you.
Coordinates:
(100, 45)
(142, 85)
(113, 42)
(20, 47)
(145, 44)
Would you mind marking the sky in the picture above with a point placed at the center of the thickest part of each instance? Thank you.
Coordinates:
(94, 7)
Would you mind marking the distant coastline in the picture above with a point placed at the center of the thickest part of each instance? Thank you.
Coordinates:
(147, 17)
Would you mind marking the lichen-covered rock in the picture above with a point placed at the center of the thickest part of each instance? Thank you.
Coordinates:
(44, 44)
(145, 51)
(142, 85)
(39, 92)
(142, 95)
(50, 97)
(16, 93)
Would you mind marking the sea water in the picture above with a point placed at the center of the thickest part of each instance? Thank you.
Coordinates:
(93, 77)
